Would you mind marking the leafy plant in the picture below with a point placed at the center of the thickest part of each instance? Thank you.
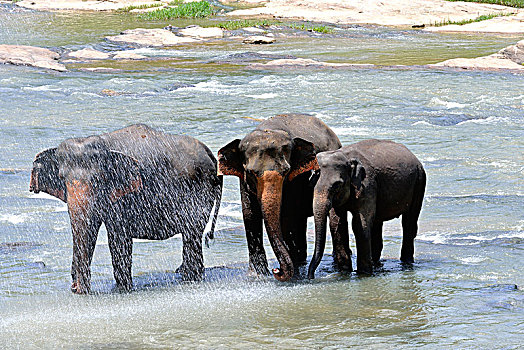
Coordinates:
(467, 21)
(510, 3)
(198, 9)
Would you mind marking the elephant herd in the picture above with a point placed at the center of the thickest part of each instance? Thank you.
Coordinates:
(143, 183)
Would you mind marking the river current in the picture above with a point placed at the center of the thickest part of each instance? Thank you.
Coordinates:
(465, 289)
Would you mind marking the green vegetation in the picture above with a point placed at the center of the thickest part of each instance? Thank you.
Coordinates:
(511, 3)
(139, 7)
(198, 9)
(467, 21)
(244, 23)
(318, 29)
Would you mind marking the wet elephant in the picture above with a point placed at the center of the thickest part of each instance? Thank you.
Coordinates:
(274, 163)
(376, 181)
(139, 182)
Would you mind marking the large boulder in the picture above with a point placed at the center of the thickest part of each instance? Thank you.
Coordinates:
(150, 37)
(30, 56)
(514, 52)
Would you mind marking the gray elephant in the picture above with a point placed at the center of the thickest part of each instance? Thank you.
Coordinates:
(274, 163)
(376, 181)
(139, 182)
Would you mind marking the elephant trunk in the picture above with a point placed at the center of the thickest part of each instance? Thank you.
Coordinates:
(81, 213)
(321, 206)
(270, 193)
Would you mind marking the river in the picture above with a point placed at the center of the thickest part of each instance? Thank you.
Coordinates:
(465, 289)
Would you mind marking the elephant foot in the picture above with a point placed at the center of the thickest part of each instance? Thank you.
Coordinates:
(258, 268)
(77, 288)
(407, 260)
(365, 268)
(190, 274)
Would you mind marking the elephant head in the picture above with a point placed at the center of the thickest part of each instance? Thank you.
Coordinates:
(88, 176)
(265, 160)
(341, 180)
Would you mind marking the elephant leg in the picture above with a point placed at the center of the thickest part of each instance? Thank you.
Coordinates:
(410, 222)
(376, 242)
(409, 232)
(192, 268)
(361, 229)
(252, 214)
(338, 226)
(121, 248)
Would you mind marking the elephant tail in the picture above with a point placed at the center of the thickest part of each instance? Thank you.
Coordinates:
(218, 198)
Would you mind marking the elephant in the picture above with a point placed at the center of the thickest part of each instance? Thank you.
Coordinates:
(375, 180)
(139, 182)
(274, 163)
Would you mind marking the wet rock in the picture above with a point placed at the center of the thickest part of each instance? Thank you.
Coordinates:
(514, 52)
(491, 62)
(88, 54)
(252, 56)
(305, 62)
(128, 55)
(109, 92)
(198, 32)
(30, 56)
(258, 39)
(150, 37)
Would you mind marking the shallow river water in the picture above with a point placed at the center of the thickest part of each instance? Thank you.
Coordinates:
(465, 289)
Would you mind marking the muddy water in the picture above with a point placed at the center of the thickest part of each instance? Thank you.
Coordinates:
(464, 291)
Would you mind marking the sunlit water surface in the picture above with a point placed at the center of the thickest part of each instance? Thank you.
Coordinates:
(464, 291)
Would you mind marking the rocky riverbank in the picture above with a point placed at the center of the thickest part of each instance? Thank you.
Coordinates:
(395, 12)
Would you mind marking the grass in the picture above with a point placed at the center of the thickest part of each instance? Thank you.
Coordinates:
(244, 23)
(467, 21)
(318, 29)
(510, 3)
(200, 9)
(138, 7)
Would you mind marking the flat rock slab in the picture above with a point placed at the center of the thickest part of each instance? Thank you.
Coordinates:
(30, 56)
(81, 5)
(491, 62)
(150, 37)
(504, 24)
(89, 54)
(258, 39)
(202, 33)
(382, 12)
(305, 62)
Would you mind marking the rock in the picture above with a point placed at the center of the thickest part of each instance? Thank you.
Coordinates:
(503, 24)
(128, 55)
(491, 62)
(514, 52)
(82, 5)
(258, 39)
(89, 54)
(253, 30)
(195, 31)
(109, 92)
(30, 56)
(150, 37)
(306, 62)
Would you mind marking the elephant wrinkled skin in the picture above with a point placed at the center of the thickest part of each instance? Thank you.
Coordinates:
(274, 163)
(139, 182)
(376, 181)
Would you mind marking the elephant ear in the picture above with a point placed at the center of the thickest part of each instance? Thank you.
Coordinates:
(44, 175)
(303, 158)
(357, 175)
(230, 160)
(124, 175)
